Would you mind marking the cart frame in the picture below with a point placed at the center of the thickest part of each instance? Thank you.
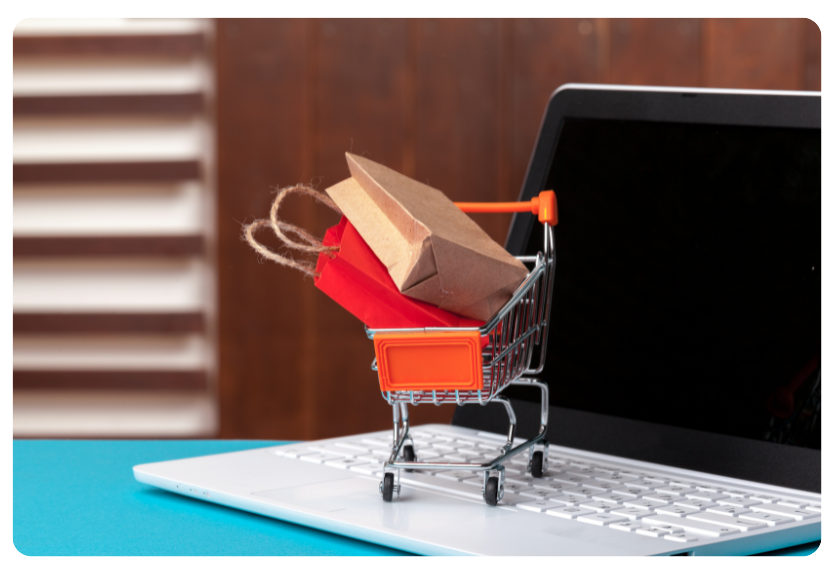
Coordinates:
(513, 333)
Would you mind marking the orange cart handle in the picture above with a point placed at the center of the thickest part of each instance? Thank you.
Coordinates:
(543, 206)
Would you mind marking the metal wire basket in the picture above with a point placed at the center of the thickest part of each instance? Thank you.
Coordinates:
(490, 358)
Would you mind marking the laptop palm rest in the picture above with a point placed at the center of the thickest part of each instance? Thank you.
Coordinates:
(358, 498)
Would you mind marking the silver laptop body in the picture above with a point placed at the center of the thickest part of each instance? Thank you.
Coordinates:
(624, 478)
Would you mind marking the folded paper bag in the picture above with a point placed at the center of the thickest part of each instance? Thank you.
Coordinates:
(359, 282)
(431, 249)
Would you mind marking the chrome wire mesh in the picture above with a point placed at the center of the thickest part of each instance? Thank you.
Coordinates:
(513, 333)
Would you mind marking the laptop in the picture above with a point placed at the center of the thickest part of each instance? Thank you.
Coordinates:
(683, 360)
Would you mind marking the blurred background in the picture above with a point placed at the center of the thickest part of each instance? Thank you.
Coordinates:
(142, 146)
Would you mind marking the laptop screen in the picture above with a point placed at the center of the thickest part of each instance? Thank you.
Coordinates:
(688, 276)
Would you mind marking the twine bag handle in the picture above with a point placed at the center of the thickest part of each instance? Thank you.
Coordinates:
(284, 231)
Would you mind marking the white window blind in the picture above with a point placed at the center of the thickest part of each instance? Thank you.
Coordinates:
(113, 286)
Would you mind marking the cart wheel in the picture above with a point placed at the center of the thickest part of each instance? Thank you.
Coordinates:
(409, 455)
(537, 464)
(490, 493)
(387, 487)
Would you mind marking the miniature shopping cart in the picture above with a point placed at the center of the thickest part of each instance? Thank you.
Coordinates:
(473, 365)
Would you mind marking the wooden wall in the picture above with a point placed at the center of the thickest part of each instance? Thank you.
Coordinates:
(453, 103)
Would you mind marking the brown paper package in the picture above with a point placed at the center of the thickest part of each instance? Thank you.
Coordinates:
(433, 251)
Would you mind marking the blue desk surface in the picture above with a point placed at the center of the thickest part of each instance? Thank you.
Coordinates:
(80, 498)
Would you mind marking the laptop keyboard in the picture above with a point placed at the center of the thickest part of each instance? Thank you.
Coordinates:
(588, 492)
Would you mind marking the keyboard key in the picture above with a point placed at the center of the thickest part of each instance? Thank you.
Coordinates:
(511, 487)
(738, 523)
(738, 494)
(626, 526)
(583, 471)
(434, 442)
(795, 504)
(456, 458)
(631, 473)
(673, 490)
(425, 454)
(691, 525)
(619, 478)
(522, 478)
(705, 495)
(767, 518)
(366, 456)
(632, 493)
(600, 506)
(464, 453)
(553, 485)
(660, 479)
(612, 498)
(569, 478)
(765, 498)
(600, 519)
(569, 512)
(632, 513)
(814, 507)
(352, 445)
(644, 504)
(459, 475)
(378, 442)
(540, 493)
(780, 510)
(738, 502)
(568, 501)
(601, 486)
(675, 510)
(663, 497)
(711, 488)
(381, 452)
(581, 492)
(492, 456)
(320, 457)
(695, 503)
(346, 462)
(728, 510)
(442, 436)
(472, 455)
(538, 506)
(653, 531)
(643, 484)
(680, 537)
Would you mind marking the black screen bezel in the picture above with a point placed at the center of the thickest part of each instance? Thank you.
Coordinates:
(731, 456)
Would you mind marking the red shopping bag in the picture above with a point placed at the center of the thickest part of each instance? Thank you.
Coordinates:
(356, 279)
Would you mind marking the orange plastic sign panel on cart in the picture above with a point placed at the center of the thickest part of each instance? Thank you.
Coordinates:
(429, 361)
